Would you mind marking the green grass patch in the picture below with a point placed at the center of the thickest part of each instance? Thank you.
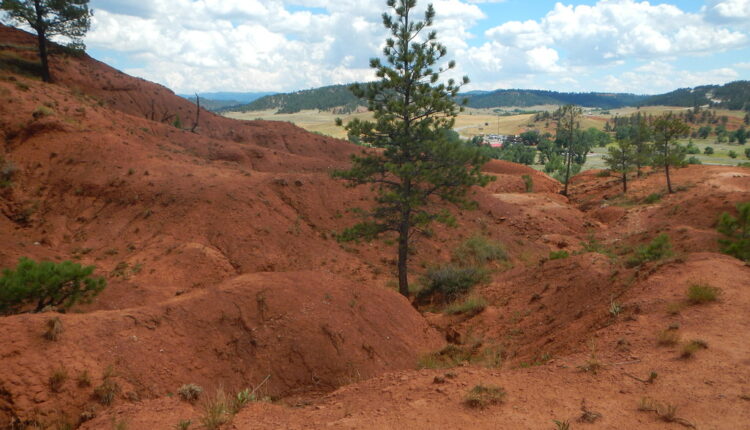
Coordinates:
(470, 306)
(700, 293)
(657, 249)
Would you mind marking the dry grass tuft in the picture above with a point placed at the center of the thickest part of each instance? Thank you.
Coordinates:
(482, 396)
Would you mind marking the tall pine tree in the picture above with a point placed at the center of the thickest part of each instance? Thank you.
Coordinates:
(621, 158)
(568, 127)
(667, 128)
(419, 165)
(70, 19)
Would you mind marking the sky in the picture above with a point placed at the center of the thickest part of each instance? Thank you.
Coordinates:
(642, 47)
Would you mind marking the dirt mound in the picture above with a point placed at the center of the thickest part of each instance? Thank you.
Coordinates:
(510, 178)
(308, 331)
(626, 350)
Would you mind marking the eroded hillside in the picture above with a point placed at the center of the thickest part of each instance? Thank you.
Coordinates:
(218, 245)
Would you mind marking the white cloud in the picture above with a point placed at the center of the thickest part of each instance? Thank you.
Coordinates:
(281, 45)
(729, 11)
(656, 76)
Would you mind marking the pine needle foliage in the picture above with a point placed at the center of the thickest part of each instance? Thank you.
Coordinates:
(413, 112)
(36, 286)
(737, 232)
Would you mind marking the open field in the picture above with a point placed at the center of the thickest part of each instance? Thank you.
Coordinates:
(476, 122)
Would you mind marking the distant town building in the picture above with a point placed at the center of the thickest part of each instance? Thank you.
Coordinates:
(499, 140)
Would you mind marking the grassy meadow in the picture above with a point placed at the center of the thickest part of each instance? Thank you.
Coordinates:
(475, 122)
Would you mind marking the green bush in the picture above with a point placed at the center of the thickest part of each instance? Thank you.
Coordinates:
(699, 294)
(737, 232)
(451, 282)
(7, 171)
(36, 286)
(652, 198)
(694, 160)
(478, 250)
(747, 152)
(471, 306)
(659, 248)
(708, 150)
(732, 154)
(558, 255)
(528, 183)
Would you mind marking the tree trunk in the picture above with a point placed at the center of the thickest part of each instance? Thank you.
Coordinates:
(41, 35)
(197, 112)
(669, 181)
(403, 255)
(666, 166)
(567, 169)
(624, 182)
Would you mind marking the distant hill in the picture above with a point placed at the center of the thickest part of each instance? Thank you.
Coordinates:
(221, 100)
(325, 98)
(734, 95)
(526, 98)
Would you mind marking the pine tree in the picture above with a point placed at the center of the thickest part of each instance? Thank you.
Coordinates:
(640, 134)
(667, 128)
(621, 158)
(413, 113)
(567, 130)
(68, 18)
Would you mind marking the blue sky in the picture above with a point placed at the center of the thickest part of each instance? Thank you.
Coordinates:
(285, 45)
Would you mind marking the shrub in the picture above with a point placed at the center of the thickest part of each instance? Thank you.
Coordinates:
(450, 356)
(702, 293)
(84, 379)
(652, 198)
(216, 411)
(732, 154)
(659, 248)
(451, 282)
(737, 232)
(54, 329)
(558, 255)
(561, 425)
(471, 306)
(690, 348)
(41, 112)
(455, 355)
(7, 171)
(747, 152)
(57, 379)
(482, 396)
(668, 338)
(692, 149)
(107, 391)
(190, 392)
(40, 285)
(528, 183)
(708, 150)
(478, 250)
(183, 425)
(694, 160)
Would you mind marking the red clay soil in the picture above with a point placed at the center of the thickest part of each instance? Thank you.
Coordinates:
(220, 253)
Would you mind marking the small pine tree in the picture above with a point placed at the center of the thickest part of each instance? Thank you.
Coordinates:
(413, 114)
(70, 19)
(621, 158)
(737, 230)
(667, 128)
(568, 127)
(46, 284)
